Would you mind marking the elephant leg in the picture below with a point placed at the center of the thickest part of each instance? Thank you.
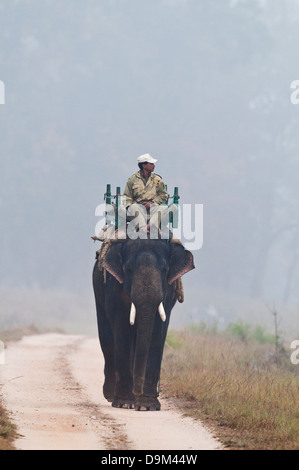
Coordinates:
(107, 346)
(149, 400)
(123, 397)
(105, 337)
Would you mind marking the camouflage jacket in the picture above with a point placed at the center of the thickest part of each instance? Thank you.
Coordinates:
(138, 190)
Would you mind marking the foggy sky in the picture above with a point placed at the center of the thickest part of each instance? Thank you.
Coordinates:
(204, 86)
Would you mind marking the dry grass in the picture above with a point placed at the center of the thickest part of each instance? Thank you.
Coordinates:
(241, 387)
(7, 431)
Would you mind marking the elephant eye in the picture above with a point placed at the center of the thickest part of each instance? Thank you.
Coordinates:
(128, 268)
(164, 268)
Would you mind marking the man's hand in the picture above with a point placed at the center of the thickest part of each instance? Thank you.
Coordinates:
(147, 204)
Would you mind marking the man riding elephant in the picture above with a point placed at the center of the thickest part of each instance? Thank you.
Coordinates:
(145, 199)
(147, 189)
(137, 281)
(144, 204)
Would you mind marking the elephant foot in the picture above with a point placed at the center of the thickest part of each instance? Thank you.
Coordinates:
(108, 398)
(124, 402)
(108, 390)
(143, 403)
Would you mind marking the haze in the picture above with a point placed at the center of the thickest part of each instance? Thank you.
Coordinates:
(204, 86)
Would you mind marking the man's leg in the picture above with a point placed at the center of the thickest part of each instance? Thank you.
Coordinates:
(139, 221)
(159, 220)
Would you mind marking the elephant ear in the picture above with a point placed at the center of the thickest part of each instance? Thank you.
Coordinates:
(113, 262)
(181, 262)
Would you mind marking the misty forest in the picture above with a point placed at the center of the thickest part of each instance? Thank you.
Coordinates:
(202, 85)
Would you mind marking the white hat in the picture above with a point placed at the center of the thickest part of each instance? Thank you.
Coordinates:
(146, 158)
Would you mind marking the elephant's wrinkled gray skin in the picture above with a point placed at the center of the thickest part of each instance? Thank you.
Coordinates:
(142, 272)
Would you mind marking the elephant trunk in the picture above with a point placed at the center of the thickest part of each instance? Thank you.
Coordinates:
(145, 322)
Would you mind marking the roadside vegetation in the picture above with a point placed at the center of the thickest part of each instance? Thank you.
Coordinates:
(240, 381)
(7, 431)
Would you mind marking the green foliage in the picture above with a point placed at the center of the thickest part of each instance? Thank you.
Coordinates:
(260, 335)
(173, 340)
(238, 329)
(203, 327)
(7, 431)
(246, 332)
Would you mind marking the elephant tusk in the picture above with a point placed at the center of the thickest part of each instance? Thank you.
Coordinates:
(162, 312)
(132, 314)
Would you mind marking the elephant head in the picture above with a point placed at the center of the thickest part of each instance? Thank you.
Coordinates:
(147, 269)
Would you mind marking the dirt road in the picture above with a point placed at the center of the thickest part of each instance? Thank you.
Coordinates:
(52, 386)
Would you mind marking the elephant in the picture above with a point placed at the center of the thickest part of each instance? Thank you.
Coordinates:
(134, 296)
